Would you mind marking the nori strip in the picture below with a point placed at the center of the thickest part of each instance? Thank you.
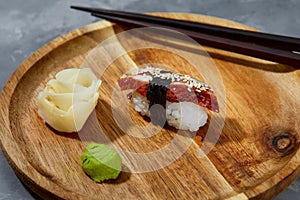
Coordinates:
(157, 91)
(157, 94)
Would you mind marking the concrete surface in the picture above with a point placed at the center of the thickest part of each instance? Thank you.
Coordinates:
(27, 25)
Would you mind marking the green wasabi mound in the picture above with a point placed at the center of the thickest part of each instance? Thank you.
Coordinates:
(101, 162)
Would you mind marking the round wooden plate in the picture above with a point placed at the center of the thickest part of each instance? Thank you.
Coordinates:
(256, 156)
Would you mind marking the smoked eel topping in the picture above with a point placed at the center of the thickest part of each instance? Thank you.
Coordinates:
(160, 86)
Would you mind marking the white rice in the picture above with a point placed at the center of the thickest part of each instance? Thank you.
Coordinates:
(140, 104)
(182, 115)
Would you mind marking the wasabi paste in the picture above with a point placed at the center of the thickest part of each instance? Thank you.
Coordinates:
(101, 162)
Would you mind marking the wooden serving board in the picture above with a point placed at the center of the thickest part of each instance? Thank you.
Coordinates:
(256, 155)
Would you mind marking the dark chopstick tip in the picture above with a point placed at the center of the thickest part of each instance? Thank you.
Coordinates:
(82, 8)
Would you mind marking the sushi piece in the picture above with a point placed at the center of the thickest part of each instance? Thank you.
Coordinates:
(185, 99)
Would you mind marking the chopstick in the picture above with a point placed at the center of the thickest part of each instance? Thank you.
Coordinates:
(281, 49)
(241, 35)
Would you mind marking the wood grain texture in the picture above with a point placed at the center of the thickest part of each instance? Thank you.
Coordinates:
(257, 155)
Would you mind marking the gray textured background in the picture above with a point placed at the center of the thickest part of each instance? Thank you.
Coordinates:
(26, 25)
